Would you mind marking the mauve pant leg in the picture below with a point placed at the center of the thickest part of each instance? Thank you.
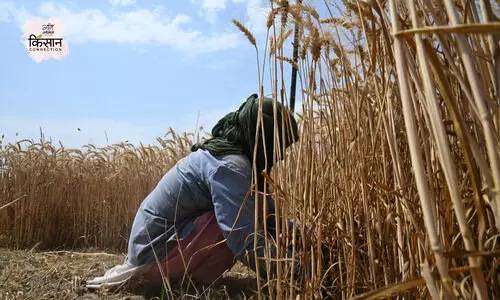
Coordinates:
(203, 253)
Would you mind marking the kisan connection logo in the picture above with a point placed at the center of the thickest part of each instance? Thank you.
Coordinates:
(44, 39)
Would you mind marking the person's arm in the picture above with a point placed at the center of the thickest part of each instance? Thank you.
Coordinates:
(271, 222)
(236, 217)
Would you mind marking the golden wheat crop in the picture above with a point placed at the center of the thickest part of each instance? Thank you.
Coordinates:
(397, 169)
(398, 166)
(79, 197)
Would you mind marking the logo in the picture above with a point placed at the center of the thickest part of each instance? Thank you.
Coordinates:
(44, 40)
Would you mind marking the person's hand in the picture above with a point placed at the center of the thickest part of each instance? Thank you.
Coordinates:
(115, 276)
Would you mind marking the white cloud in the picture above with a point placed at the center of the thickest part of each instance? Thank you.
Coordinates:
(257, 14)
(137, 26)
(214, 4)
(141, 26)
(10, 13)
(5, 11)
(210, 8)
(122, 2)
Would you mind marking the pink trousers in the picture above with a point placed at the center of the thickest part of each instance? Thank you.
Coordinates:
(203, 255)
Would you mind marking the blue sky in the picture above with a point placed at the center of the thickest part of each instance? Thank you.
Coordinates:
(135, 68)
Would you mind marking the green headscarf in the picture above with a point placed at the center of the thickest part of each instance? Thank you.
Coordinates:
(235, 133)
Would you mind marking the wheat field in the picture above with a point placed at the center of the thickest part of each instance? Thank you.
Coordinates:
(397, 169)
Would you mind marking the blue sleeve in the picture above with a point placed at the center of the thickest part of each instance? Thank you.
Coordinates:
(229, 189)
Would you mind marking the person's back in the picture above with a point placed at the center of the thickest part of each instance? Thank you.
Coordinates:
(190, 188)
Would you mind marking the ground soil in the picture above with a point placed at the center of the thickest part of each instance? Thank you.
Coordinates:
(28, 274)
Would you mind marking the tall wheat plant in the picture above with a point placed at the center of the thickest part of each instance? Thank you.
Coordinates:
(397, 168)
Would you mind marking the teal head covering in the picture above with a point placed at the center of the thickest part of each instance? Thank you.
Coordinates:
(235, 133)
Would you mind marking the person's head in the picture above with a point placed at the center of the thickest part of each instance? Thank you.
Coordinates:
(236, 132)
(284, 124)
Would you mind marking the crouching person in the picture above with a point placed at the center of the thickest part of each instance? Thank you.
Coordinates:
(200, 218)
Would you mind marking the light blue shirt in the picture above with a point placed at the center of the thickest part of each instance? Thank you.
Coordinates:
(198, 183)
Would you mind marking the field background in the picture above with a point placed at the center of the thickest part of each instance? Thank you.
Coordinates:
(397, 170)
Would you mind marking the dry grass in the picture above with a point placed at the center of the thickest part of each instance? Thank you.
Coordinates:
(28, 274)
(397, 169)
